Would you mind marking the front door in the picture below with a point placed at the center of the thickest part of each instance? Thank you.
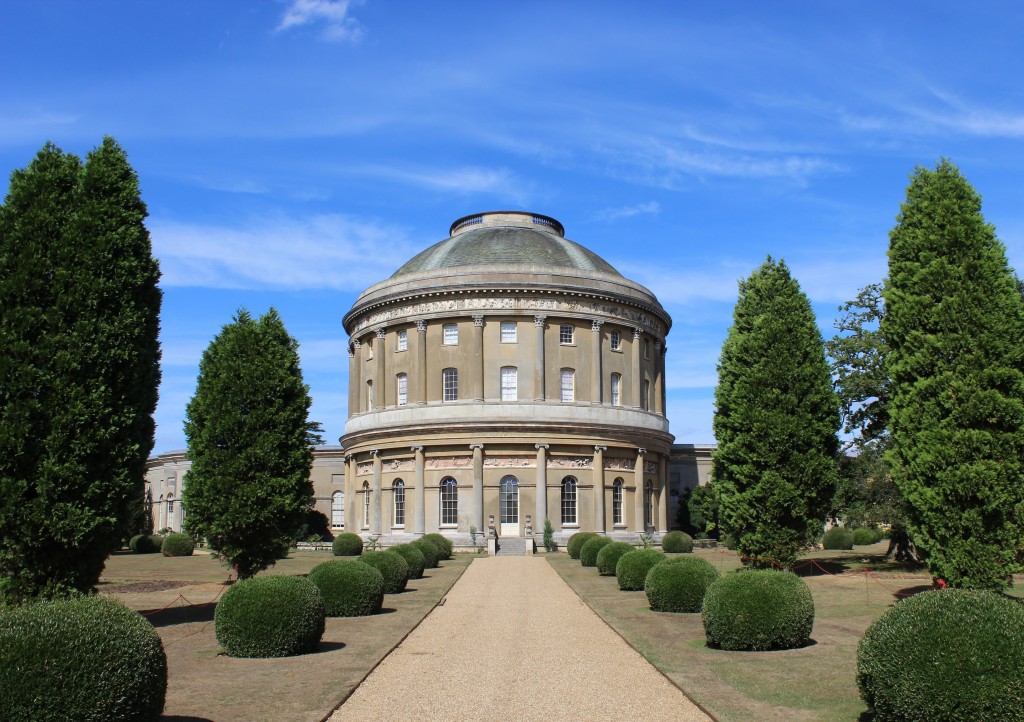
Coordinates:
(508, 506)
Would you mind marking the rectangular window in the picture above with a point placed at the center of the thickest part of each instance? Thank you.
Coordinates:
(616, 340)
(616, 389)
(565, 333)
(403, 340)
(647, 348)
(338, 510)
(508, 331)
(403, 389)
(509, 383)
(568, 379)
(451, 334)
(645, 402)
(450, 383)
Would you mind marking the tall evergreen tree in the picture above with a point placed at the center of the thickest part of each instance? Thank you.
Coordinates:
(776, 419)
(79, 366)
(250, 443)
(954, 322)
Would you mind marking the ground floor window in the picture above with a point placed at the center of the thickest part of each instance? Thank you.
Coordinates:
(508, 500)
(649, 504)
(338, 509)
(569, 501)
(617, 501)
(449, 501)
(398, 490)
(366, 505)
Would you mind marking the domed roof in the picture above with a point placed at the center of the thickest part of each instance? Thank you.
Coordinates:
(508, 238)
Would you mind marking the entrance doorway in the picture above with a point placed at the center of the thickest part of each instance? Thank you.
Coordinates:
(508, 506)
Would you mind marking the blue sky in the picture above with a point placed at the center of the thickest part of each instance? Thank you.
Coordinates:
(292, 153)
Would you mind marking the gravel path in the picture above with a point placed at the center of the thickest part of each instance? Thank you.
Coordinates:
(513, 642)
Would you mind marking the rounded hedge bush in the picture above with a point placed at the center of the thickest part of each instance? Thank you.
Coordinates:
(631, 571)
(177, 544)
(677, 542)
(838, 537)
(86, 658)
(678, 585)
(349, 589)
(729, 541)
(444, 545)
(347, 545)
(609, 556)
(270, 616)
(758, 609)
(945, 654)
(576, 542)
(392, 565)
(590, 550)
(413, 557)
(146, 543)
(863, 536)
(431, 557)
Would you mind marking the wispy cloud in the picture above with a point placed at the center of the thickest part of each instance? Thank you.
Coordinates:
(333, 15)
(468, 179)
(614, 214)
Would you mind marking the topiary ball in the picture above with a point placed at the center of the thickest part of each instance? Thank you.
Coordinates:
(413, 557)
(863, 536)
(632, 568)
(270, 616)
(677, 542)
(590, 550)
(349, 589)
(86, 658)
(177, 544)
(347, 545)
(444, 545)
(678, 585)
(609, 556)
(758, 609)
(428, 549)
(946, 654)
(838, 537)
(393, 566)
(146, 543)
(576, 542)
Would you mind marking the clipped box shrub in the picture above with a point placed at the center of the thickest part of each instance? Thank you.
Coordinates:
(348, 588)
(428, 549)
(609, 555)
(677, 542)
(177, 544)
(590, 550)
(347, 544)
(146, 543)
(631, 570)
(863, 536)
(945, 655)
(576, 542)
(413, 557)
(838, 537)
(678, 585)
(392, 565)
(758, 609)
(270, 616)
(86, 658)
(444, 545)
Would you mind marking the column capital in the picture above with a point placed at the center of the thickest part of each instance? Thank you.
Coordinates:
(416, 448)
(421, 326)
(641, 451)
(636, 332)
(658, 344)
(380, 332)
(595, 324)
(375, 453)
(539, 321)
(474, 447)
(538, 447)
(600, 448)
(351, 350)
(356, 343)
(478, 319)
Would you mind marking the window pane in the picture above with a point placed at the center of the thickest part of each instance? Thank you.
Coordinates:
(617, 502)
(568, 385)
(568, 500)
(616, 385)
(449, 501)
(451, 334)
(508, 331)
(648, 504)
(509, 383)
(403, 389)
(366, 505)
(616, 340)
(338, 509)
(565, 333)
(508, 500)
(450, 380)
(403, 340)
(399, 492)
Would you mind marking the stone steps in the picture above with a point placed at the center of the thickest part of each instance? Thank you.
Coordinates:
(511, 546)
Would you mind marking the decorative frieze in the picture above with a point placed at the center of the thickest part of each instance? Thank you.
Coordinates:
(569, 462)
(450, 462)
(650, 467)
(509, 462)
(398, 465)
(615, 463)
(364, 469)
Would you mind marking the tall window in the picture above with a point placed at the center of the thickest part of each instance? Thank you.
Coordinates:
(645, 400)
(568, 378)
(509, 383)
(403, 389)
(403, 340)
(647, 348)
(449, 501)
(565, 333)
(616, 340)
(616, 389)
(366, 505)
(569, 501)
(648, 504)
(617, 501)
(508, 500)
(170, 512)
(338, 509)
(450, 384)
(369, 396)
(508, 331)
(451, 334)
(398, 489)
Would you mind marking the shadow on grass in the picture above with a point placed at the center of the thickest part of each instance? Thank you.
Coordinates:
(328, 647)
(181, 718)
(819, 568)
(911, 591)
(385, 610)
(180, 614)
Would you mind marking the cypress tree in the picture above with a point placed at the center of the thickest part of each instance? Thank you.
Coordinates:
(775, 422)
(954, 323)
(250, 444)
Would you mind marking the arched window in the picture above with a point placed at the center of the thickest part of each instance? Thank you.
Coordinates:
(398, 488)
(509, 383)
(338, 509)
(170, 511)
(449, 502)
(616, 389)
(617, 501)
(648, 504)
(508, 500)
(161, 513)
(402, 390)
(568, 382)
(450, 385)
(569, 501)
(366, 505)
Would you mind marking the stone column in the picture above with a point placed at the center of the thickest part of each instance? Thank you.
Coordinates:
(595, 385)
(637, 375)
(664, 402)
(659, 379)
(420, 515)
(638, 473)
(599, 525)
(350, 493)
(477, 379)
(542, 486)
(353, 380)
(478, 485)
(421, 362)
(377, 502)
(379, 394)
(538, 367)
(663, 494)
(356, 381)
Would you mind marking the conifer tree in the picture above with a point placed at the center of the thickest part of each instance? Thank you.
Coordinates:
(954, 323)
(775, 422)
(250, 444)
